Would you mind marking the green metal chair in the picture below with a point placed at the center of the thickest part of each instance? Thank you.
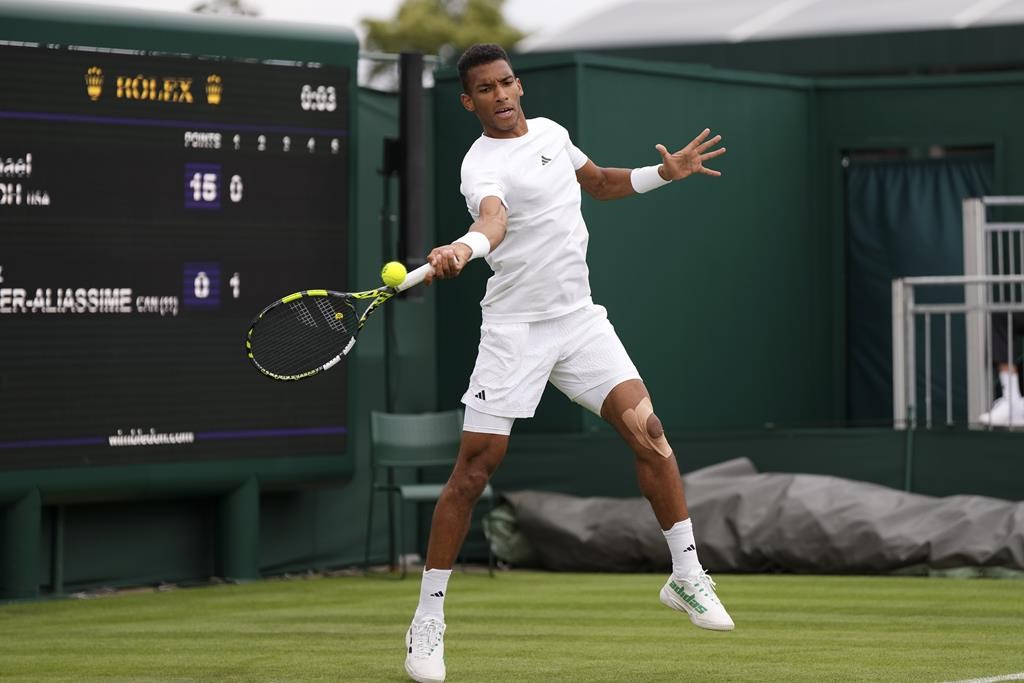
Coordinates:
(411, 442)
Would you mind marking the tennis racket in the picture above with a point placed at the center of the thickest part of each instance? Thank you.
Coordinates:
(307, 332)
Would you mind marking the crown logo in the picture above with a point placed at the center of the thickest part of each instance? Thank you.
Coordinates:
(214, 88)
(94, 82)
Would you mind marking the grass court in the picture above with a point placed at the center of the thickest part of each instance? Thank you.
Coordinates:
(529, 627)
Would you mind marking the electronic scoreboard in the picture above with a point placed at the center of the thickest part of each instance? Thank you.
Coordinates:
(149, 206)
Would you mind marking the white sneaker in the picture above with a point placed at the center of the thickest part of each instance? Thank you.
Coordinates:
(424, 661)
(1005, 412)
(695, 595)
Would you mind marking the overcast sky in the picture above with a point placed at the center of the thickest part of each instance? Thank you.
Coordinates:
(527, 15)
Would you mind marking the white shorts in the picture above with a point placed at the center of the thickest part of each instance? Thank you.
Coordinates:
(577, 353)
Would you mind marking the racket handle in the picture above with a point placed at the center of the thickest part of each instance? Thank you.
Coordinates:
(415, 277)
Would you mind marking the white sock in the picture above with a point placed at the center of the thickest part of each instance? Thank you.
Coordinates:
(433, 588)
(683, 549)
(1011, 387)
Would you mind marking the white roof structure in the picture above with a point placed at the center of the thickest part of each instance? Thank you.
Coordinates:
(675, 22)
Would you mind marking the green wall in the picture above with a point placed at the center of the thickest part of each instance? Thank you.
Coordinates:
(708, 282)
(912, 113)
(981, 48)
(961, 111)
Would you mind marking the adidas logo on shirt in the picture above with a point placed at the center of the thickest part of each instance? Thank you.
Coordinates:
(438, 594)
(481, 396)
(691, 547)
(544, 160)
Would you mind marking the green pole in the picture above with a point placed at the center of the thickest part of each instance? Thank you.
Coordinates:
(58, 550)
(19, 554)
(908, 453)
(238, 547)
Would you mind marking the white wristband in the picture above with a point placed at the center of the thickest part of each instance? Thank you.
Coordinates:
(478, 242)
(646, 178)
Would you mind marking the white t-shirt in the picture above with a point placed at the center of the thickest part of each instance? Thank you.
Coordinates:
(540, 268)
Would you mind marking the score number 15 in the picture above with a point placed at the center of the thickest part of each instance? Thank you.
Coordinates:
(203, 186)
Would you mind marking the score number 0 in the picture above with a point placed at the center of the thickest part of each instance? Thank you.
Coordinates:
(202, 186)
(202, 284)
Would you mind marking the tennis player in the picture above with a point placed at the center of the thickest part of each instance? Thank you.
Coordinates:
(521, 180)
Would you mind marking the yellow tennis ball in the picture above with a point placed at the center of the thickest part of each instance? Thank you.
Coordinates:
(393, 273)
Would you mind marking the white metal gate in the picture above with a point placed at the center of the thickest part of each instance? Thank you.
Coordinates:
(993, 283)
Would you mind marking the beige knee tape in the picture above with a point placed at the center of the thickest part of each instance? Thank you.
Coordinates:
(636, 420)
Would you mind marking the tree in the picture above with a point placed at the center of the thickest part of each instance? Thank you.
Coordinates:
(237, 7)
(441, 27)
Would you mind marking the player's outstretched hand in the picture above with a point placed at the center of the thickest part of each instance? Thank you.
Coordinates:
(690, 159)
(447, 261)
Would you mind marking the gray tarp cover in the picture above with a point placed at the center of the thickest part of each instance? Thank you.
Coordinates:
(750, 522)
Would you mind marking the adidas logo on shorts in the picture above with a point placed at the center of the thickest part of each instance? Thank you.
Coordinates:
(481, 395)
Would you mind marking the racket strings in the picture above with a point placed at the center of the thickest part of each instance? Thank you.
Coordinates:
(302, 313)
(330, 315)
(303, 335)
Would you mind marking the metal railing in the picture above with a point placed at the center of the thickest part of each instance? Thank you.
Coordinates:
(992, 284)
(990, 248)
(974, 309)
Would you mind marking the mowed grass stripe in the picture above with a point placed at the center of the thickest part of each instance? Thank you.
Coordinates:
(527, 626)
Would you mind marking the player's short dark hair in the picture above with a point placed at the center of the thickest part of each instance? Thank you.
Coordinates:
(475, 55)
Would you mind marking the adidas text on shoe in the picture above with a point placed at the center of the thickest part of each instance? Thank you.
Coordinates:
(424, 646)
(695, 596)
